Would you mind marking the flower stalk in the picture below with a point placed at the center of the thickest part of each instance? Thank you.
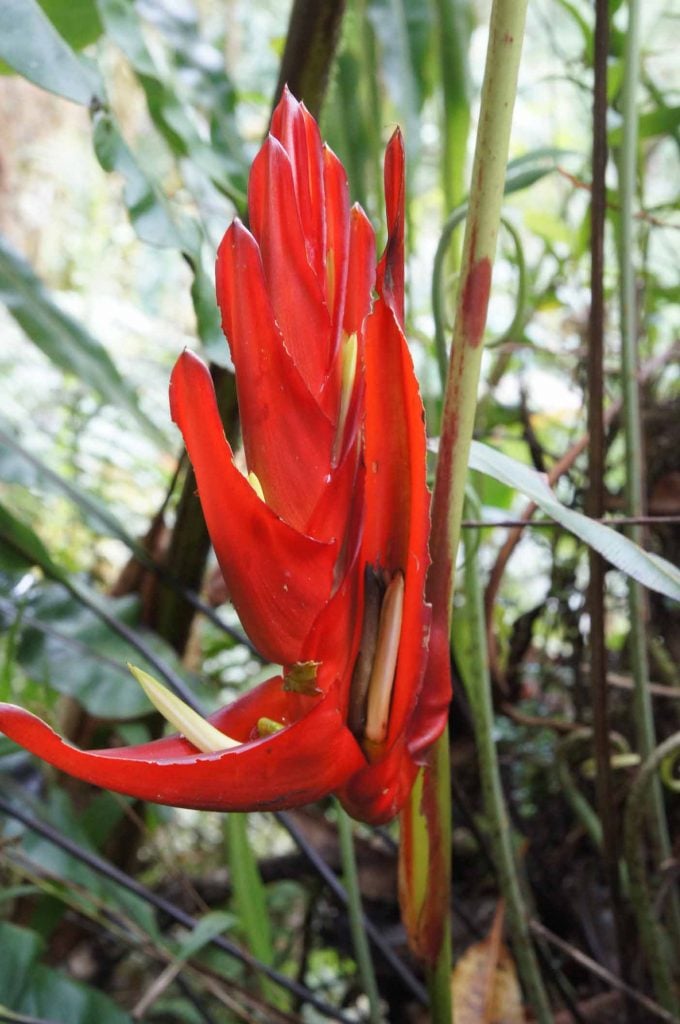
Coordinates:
(506, 33)
(428, 911)
(362, 950)
(478, 686)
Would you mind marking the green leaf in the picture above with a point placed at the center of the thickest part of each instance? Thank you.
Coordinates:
(349, 121)
(453, 28)
(212, 924)
(549, 226)
(575, 12)
(157, 224)
(648, 569)
(22, 467)
(24, 544)
(70, 641)
(22, 948)
(31, 45)
(67, 647)
(492, 493)
(32, 988)
(76, 20)
(94, 890)
(123, 28)
(250, 898)
(529, 168)
(70, 649)
(62, 339)
(170, 114)
(149, 210)
(661, 121)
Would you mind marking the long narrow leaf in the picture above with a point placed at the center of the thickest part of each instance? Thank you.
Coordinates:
(650, 570)
(250, 897)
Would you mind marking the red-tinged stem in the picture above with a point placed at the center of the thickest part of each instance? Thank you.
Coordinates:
(506, 33)
(479, 249)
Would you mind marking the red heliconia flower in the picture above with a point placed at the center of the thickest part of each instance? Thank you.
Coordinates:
(324, 545)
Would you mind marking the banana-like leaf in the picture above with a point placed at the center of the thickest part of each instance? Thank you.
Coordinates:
(649, 569)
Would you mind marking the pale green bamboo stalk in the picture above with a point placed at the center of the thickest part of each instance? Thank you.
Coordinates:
(479, 248)
(478, 686)
(362, 950)
(633, 434)
(506, 32)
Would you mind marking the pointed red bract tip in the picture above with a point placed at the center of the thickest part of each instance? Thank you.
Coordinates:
(391, 266)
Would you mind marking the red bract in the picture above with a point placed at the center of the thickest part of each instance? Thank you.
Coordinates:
(324, 546)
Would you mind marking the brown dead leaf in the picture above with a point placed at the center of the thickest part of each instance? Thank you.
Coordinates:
(484, 983)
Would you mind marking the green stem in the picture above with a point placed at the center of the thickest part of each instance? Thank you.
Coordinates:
(478, 686)
(439, 975)
(251, 900)
(438, 293)
(479, 248)
(633, 434)
(362, 950)
(439, 985)
(506, 33)
(633, 829)
(581, 807)
(373, 117)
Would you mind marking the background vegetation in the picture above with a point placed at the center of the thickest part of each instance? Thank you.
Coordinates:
(120, 170)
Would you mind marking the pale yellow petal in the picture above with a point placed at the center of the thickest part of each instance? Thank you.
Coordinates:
(204, 736)
(381, 682)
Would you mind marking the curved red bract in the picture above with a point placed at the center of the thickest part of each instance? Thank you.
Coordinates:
(333, 429)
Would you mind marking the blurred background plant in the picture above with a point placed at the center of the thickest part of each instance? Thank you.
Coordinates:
(128, 128)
